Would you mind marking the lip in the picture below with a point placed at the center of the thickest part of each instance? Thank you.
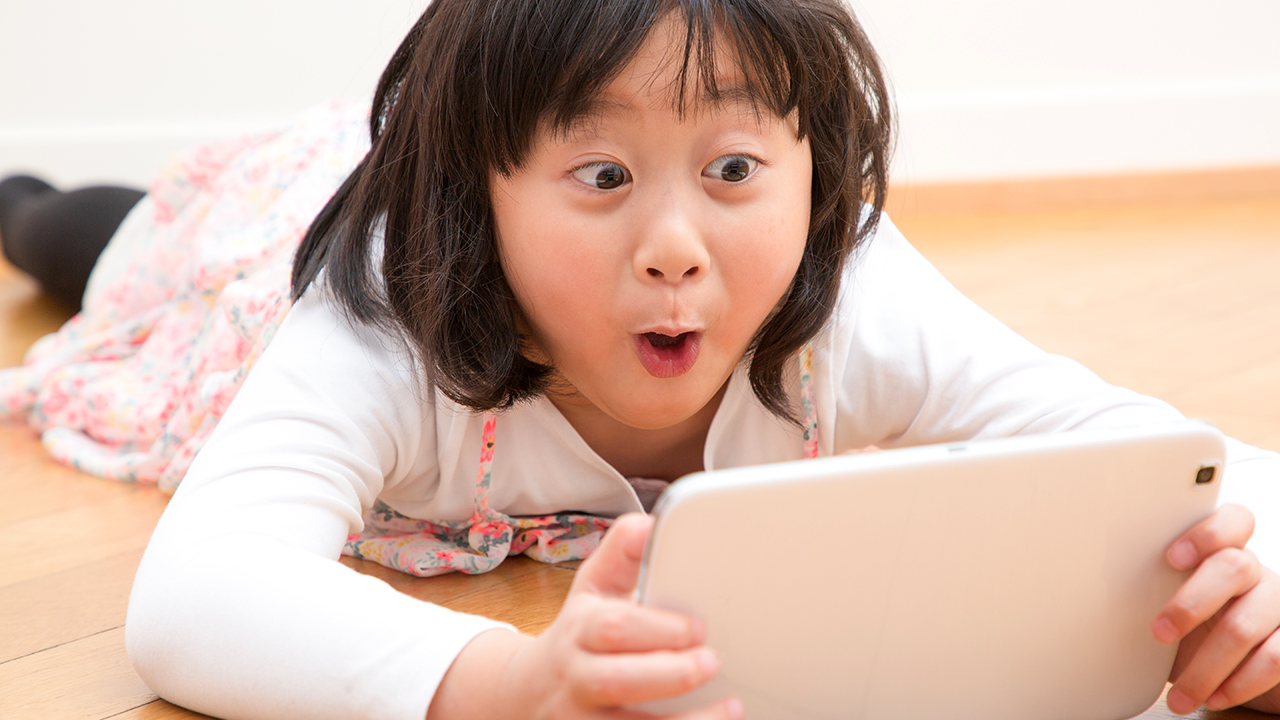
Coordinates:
(668, 362)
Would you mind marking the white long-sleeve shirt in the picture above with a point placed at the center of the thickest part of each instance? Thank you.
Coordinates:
(240, 609)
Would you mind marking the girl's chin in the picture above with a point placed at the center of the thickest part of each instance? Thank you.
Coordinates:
(642, 409)
(665, 407)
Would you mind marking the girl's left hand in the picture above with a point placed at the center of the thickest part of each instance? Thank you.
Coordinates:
(1225, 615)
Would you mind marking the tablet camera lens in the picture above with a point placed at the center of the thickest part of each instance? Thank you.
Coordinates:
(1205, 475)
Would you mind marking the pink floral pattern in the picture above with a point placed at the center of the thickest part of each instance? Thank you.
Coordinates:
(131, 387)
(480, 544)
(807, 403)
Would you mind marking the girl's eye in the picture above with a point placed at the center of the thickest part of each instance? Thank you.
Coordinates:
(602, 175)
(732, 168)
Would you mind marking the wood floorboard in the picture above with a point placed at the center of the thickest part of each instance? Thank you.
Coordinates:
(452, 589)
(501, 593)
(25, 314)
(1268, 439)
(62, 607)
(157, 710)
(77, 536)
(88, 678)
(1179, 300)
(33, 484)
(510, 601)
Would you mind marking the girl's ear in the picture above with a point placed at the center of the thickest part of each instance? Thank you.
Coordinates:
(529, 348)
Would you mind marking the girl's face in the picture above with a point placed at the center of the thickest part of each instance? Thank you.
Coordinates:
(646, 249)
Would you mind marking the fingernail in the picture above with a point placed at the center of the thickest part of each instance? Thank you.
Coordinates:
(1217, 701)
(1182, 555)
(708, 661)
(1179, 703)
(698, 630)
(1163, 630)
(733, 707)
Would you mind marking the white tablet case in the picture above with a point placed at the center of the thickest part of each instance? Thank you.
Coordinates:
(1002, 580)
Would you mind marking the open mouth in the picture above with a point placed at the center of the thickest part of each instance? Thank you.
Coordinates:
(667, 356)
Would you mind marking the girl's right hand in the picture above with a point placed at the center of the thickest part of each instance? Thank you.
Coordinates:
(602, 653)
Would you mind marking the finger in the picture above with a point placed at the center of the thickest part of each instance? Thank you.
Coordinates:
(726, 709)
(619, 626)
(1224, 575)
(1248, 622)
(627, 679)
(1229, 526)
(1256, 676)
(614, 568)
(1187, 648)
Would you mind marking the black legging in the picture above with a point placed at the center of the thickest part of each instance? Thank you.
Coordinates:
(56, 237)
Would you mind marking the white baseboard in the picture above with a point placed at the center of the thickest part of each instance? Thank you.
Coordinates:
(1029, 132)
(113, 154)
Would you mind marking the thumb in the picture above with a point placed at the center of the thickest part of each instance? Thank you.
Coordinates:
(614, 568)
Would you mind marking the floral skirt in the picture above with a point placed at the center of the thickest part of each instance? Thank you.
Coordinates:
(183, 300)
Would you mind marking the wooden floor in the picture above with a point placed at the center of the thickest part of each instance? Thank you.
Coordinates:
(1181, 301)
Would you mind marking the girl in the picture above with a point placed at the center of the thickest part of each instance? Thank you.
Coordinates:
(596, 246)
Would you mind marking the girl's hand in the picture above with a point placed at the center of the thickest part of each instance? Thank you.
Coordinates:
(602, 653)
(1225, 615)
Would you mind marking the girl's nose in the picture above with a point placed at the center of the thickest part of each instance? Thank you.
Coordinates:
(672, 249)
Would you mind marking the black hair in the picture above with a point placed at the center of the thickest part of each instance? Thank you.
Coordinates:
(467, 93)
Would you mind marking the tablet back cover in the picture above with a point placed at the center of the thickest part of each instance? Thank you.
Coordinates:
(1001, 580)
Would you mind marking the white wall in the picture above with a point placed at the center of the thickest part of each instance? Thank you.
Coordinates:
(986, 89)
(991, 89)
(108, 89)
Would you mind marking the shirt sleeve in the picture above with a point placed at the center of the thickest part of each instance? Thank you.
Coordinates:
(239, 608)
(913, 362)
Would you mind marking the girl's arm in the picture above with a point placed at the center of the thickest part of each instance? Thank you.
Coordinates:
(239, 608)
(912, 361)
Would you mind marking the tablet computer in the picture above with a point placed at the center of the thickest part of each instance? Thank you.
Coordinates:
(1000, 579)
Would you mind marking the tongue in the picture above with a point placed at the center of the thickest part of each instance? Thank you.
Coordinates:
(659, 340)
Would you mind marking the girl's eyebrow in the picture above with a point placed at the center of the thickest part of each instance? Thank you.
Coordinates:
(586, 119)
(585, 122)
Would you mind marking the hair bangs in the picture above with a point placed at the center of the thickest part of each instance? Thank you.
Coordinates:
(550, 61)
(548, 66)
